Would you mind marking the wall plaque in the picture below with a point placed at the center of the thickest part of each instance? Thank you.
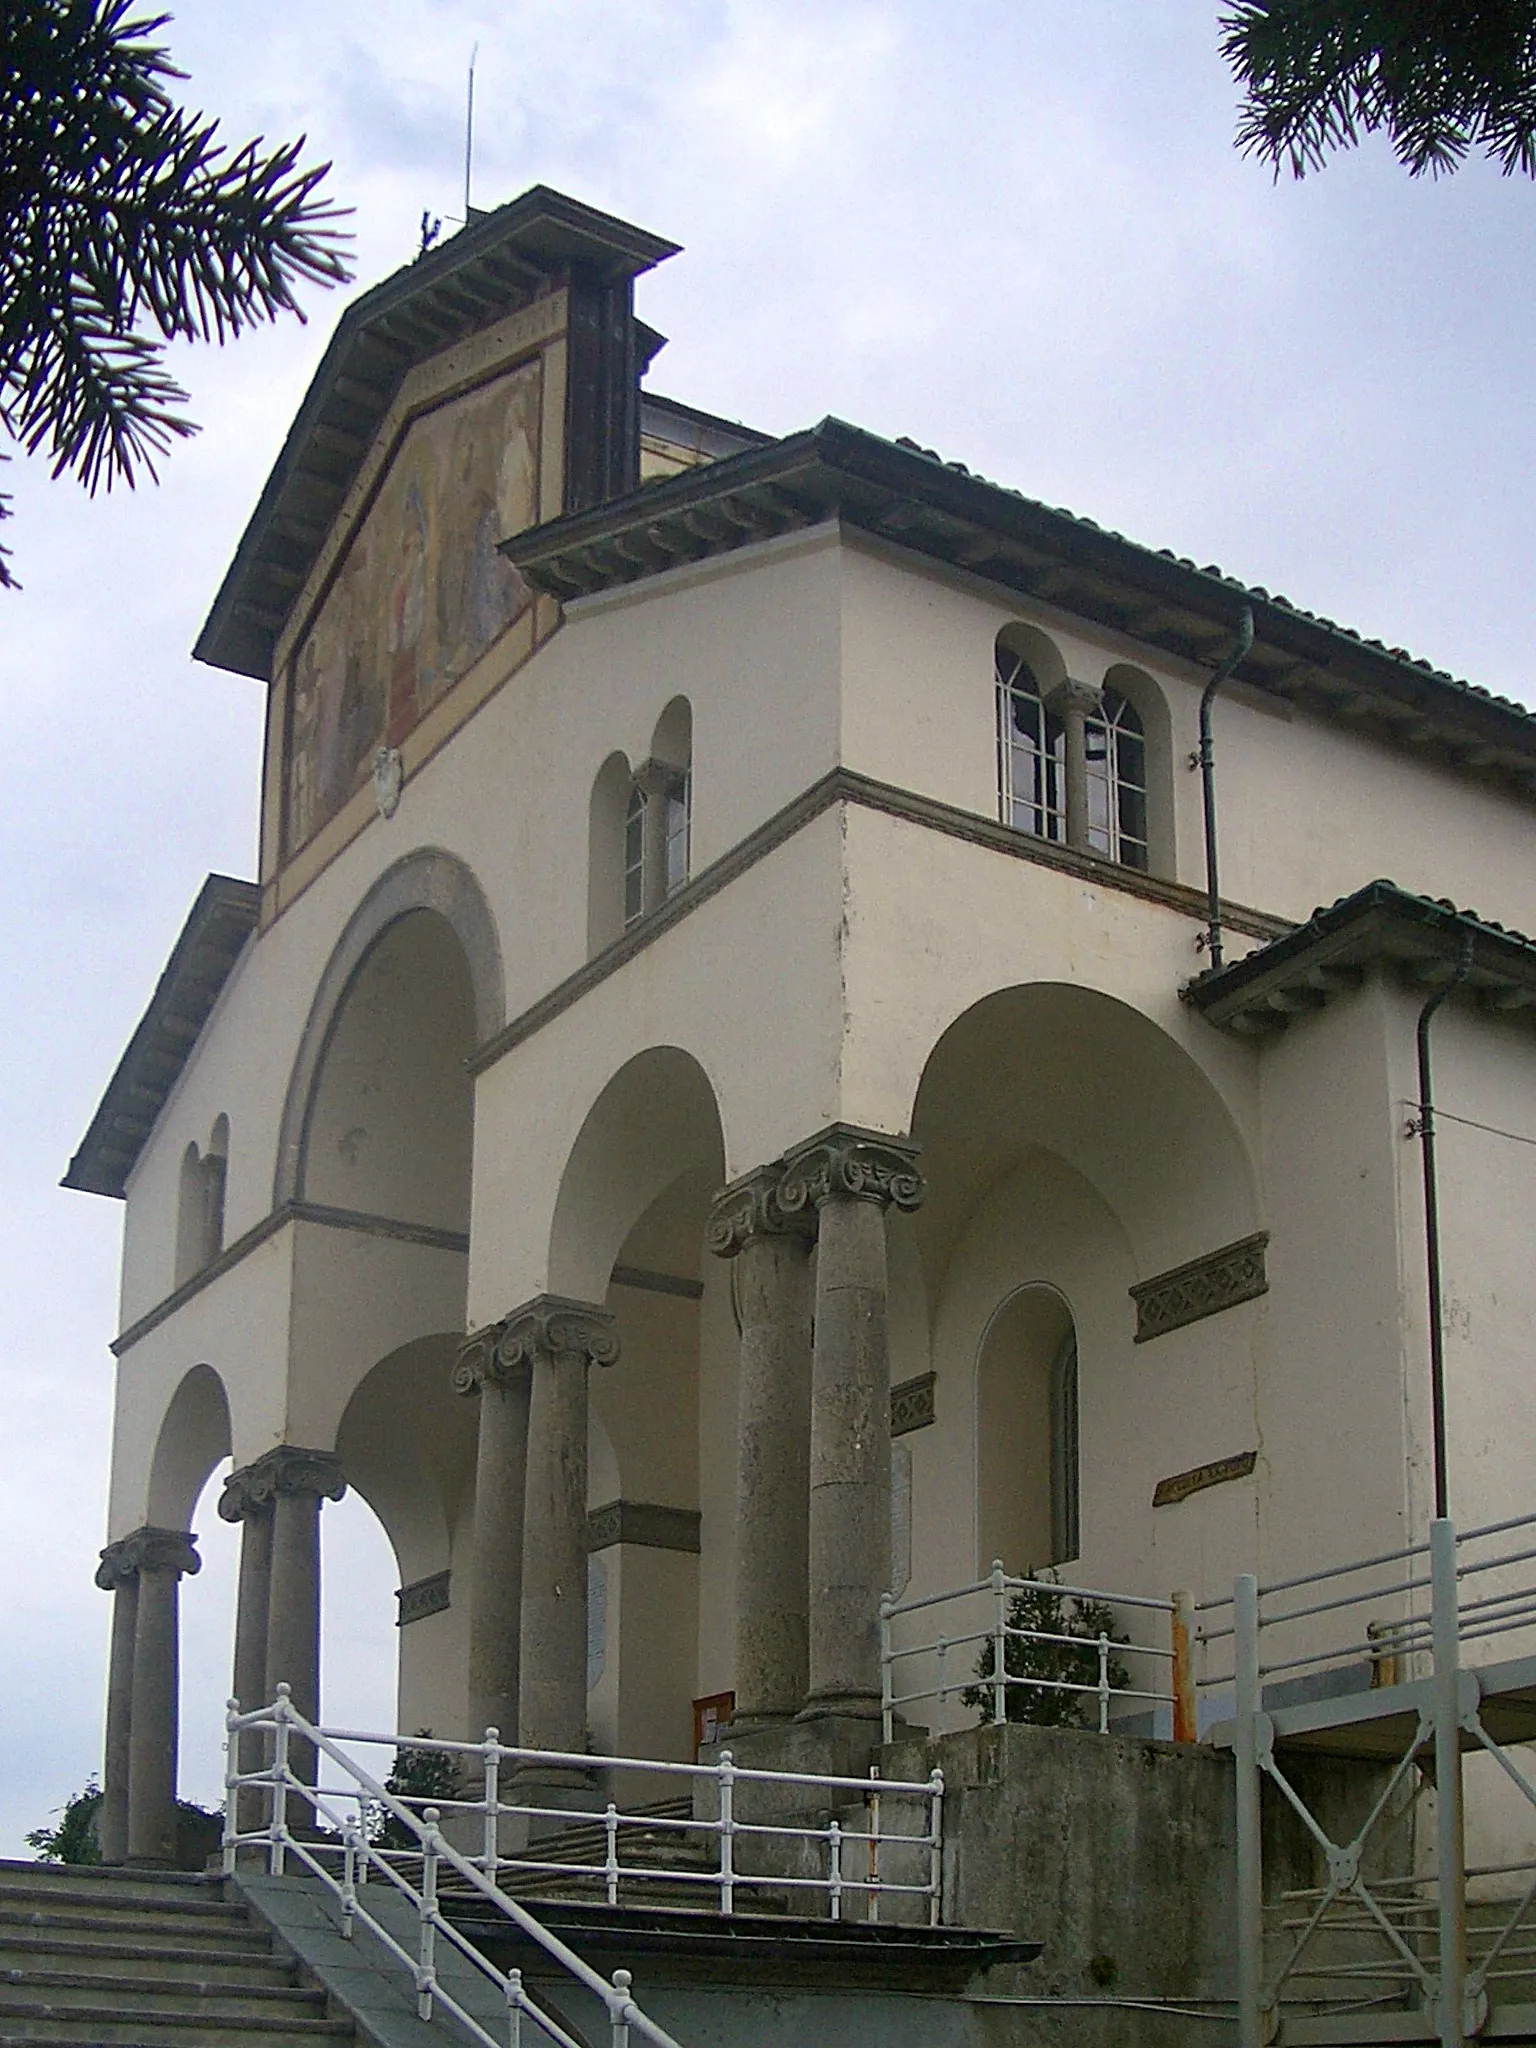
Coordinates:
(1168, 1492)
(912, 1404)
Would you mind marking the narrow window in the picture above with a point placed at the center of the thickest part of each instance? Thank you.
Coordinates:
(634, 856)
(1117, 782)
(1066, 1511)
(679, 802)
(1031, 752)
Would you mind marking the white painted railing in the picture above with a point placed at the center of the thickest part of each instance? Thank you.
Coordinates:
(345, 1868)
(973, 1654)
(751, 1837)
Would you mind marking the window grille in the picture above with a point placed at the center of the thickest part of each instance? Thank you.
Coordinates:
(634, 857)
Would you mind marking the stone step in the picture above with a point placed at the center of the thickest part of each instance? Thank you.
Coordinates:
(107, 2027)
(161, 1889)
(74, 1991)
(128, 1923)
(113, 1961)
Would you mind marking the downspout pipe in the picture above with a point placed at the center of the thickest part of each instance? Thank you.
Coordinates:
(1426, 1132)
(1207, 762)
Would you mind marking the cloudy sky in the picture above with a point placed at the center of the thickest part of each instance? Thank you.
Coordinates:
(1017, 232)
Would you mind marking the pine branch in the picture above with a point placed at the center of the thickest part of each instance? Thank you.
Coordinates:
(125, 223)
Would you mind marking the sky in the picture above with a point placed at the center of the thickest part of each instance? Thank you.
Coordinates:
(1018, 233)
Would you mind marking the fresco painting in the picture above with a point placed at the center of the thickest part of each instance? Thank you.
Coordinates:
(421, 593)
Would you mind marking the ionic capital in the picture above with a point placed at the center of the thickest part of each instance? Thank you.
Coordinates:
(147, 1550)
(849, 1164)
(286, 1469)
(547, 1327)
(1071, 696)
(750, 1208)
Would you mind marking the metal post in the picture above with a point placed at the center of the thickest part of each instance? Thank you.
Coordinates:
(277, 1827)
(999, 1644)
(611, 1859)
(1450, 1843)
(621, 2007)
(887, 1679)
(1250, 1868)
(231, 1791)
(1182, 1626)
(491, 1779)
(727, 1773)
(348, 1879)
(426, 1976)
(835, 1869)
(872, 1860)
(514, 2009)
(935, 1846)
(1103, 1683)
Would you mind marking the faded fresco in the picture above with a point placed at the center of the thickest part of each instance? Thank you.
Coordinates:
(421, 593)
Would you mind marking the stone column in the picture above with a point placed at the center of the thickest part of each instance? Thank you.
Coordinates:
(297, 1480)
(1074, 703)
(118, 1575)
(247, 1499)
(160, 1557)
(850, 1177)
(559, 1340)
(773, 1442)
(501, 1380)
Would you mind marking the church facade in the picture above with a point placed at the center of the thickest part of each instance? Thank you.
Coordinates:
(721, 1102)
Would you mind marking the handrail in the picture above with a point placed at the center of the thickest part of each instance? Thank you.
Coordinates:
(623, 2013)
(999, 1679)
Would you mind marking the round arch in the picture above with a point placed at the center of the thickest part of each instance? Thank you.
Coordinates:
(426, 879)
(1085, 1076)
(656, 1120)
(194, 1437)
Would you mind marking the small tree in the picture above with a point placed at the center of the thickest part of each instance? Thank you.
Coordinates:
(74, 1839)
(420, 1778)
(1041, 1609)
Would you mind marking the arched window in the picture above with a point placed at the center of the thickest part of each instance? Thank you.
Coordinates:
(200, 1211)
(1036, 732)
(1028, 1465)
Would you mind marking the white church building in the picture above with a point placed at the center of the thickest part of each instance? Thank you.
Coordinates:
(720, 1103)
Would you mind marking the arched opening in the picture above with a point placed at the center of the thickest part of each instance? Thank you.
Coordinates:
(1027, 1474)
(407, 1445)
(629, 1232)
(1072, 1150)
(390, 1126)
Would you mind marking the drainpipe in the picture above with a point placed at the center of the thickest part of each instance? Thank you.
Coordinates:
(1426, 1131)
(1206, 759)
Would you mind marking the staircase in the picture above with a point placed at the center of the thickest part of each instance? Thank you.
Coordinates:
(94, 1958)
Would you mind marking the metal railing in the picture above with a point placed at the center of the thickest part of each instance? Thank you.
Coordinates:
(1383, 1638)
(751, 1839)
(985, 1633)
(345, 1866)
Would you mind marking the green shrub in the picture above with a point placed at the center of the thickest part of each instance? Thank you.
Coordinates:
(74, 1839)
(420, 1778)
(1042, 1608)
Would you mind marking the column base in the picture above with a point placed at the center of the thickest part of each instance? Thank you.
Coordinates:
(841, 1706)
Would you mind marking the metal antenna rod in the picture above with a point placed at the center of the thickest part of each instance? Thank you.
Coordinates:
(469, 128)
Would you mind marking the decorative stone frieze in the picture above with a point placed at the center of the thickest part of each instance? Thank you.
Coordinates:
(845, 1161)
(423, 1597)
(147, 1550)
(749, 1208)
(1204, 1287)
(645, 1524)
(912, 1404)
(287, 1469)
